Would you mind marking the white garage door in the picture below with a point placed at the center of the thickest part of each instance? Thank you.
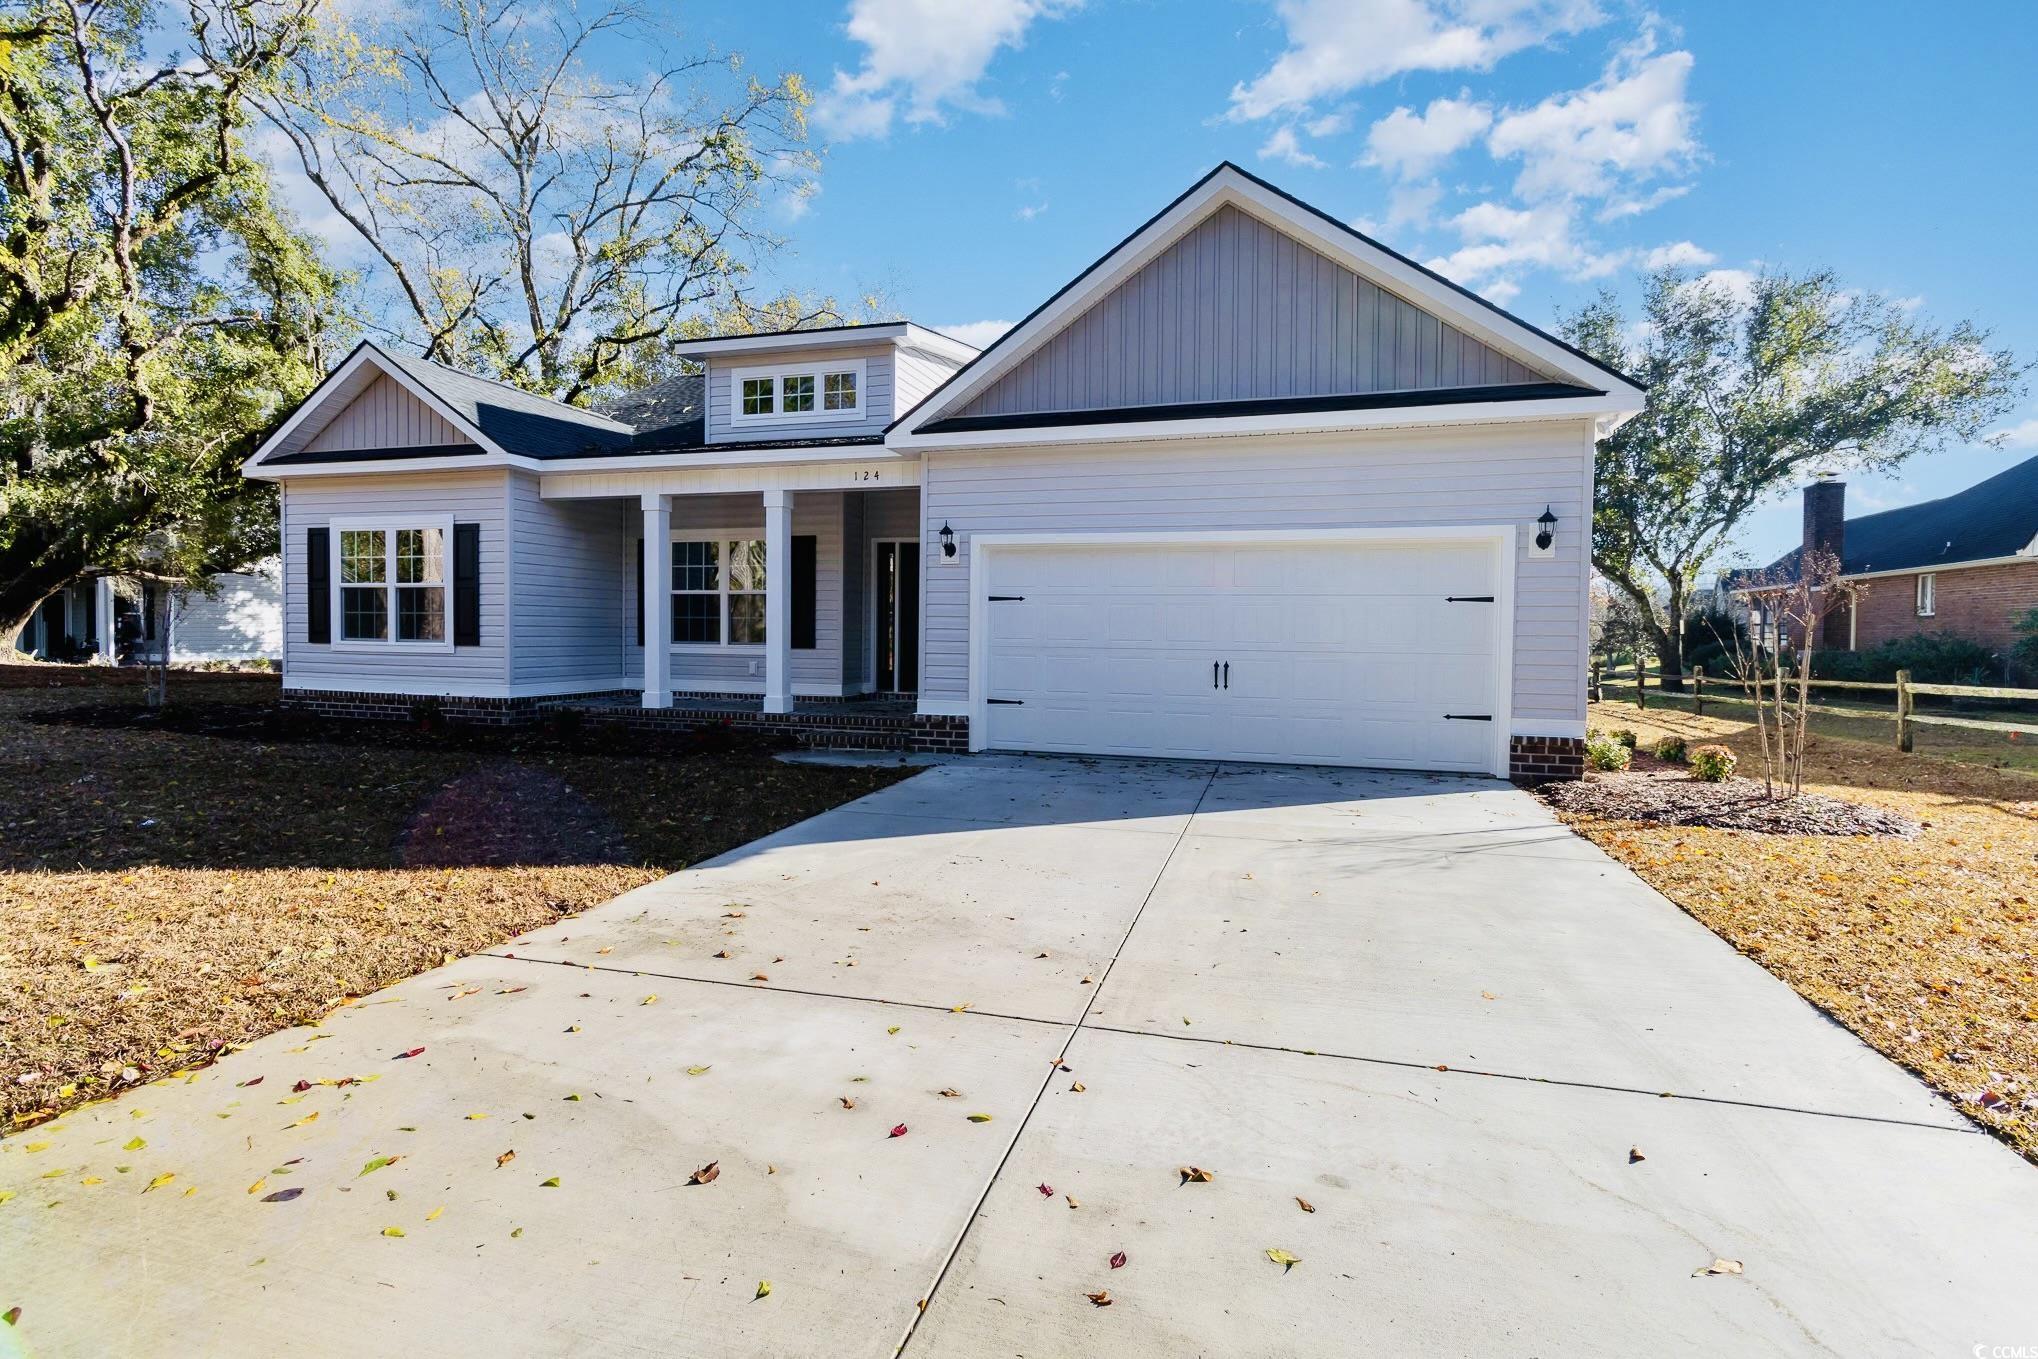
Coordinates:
(1317, 652)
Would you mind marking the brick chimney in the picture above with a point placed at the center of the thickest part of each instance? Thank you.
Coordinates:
(1825, 516)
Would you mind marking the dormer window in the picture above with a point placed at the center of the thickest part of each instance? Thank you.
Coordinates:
(790, 394)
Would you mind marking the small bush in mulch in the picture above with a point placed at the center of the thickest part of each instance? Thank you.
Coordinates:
(1670, 750)
(1674, 798)
(1713, 763)
(1604, 752)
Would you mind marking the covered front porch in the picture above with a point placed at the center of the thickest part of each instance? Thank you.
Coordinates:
(798, 600)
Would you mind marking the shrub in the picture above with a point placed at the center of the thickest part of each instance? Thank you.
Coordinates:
(1932, 658)
(1671, 749)
(1627, 738)
(1709, 640)
(1606, 752)
(1712, 763)
(2025, 652)
(426, 715)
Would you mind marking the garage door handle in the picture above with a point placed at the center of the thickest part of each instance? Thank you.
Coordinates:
(1008, 702)
(1227, 674)
(1468, 599)
(1213, 674)
(1468, 717)
(1006, 599)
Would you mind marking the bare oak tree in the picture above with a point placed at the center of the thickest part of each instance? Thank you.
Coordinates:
(539, 222)
(1773, 658)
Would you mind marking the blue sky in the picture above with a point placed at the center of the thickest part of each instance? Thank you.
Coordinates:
(980, 152)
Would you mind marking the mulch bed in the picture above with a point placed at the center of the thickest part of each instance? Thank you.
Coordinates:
(1674, 798)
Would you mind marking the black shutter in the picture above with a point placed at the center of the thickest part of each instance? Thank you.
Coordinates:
(804, 592)
(318, 585)
(640, 592)
(466, 585)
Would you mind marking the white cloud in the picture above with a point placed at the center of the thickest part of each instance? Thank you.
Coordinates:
(1027, 212)
(2024, 435)
(1498, 239)
(1339, 45)
(1631, 125)
(1284, 145)
(977, 334)
(923, 58)
(1678, 255)
(1413, 204)
(1408, 144)
(1634, 206)
(1330, 124)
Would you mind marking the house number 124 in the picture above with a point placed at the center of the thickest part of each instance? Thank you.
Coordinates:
(869, 474)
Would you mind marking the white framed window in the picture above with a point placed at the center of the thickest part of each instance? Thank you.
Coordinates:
(1928, 595)
(717, 589)
(392, 582)
(793, 393)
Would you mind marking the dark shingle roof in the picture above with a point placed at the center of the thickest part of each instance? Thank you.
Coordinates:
(1994, 518)
(519, 421)
(666, 413)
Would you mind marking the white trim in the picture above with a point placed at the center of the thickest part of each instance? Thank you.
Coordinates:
(817, 369)
(1549, 726)
(1309, 422)
(945, 707)
(389, 525)
(363, 684)
(902, 334)
(1228, 187)
(1499, 537)
(1925, 595)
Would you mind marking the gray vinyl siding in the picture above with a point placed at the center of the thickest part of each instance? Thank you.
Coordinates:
(741, 669)
(1463, 477)
(1238, 310)
(571, 611)
(470, 497)
(877, 396)
(916, 376)
(384, 415)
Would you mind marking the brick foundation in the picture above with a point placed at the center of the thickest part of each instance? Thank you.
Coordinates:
(1540, 759)
(493, 712)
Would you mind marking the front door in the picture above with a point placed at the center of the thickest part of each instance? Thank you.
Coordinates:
(898, 617)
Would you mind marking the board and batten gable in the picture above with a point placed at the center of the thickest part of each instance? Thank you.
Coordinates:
(878, 365)
(1472, 476)
(478, 497)
(1240, 310)
(385, 415)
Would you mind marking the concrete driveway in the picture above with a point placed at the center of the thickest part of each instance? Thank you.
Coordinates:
(1415, 1003)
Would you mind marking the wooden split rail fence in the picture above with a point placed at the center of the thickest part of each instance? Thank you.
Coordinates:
(1905, 691)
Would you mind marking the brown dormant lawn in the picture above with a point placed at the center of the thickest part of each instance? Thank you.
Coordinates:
(1927, 948)
(165, 894)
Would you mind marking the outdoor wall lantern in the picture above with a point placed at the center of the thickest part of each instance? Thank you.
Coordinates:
(947, 540)
(1546, 524)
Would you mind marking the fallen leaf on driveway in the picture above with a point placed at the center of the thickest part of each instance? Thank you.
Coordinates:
(1073, 1202)
(282, 1195)
(1118, 1259)
(392, 1231)
(156, 1183)
(651, 999)
(698, 1070)
(759, 976)
(256, 1080)
(552, 1183)
(433, 1216)
(1635, 1154)
(474, 1117)
(1285, 1259)
(722, 953)
(1101, 1298)
(950, 1093)
(12, 1316)
(1304, 1204)
(401, 1055)
(1078, 1087)
(1195, 1175)
(377, 1163)
(706, 1174)
(505, 1159)
(132, 1144)
(980, 1118)
(1718, 1267)
(898, 1131)
(893, 1029)
(1046, 1190)
(848, 1102)
(763, 1290)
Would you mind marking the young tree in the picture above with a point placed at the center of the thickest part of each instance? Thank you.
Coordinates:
(1748, 395)
(538, 222)
(1773, 661)
(156, 310)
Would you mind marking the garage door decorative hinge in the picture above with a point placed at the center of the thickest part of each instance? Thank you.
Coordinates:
(1468, 599)
(1009, 702)
(1007, 599)
(1448, 717)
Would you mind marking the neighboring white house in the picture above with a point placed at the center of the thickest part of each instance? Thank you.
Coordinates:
(1252, 486)
(124, 620)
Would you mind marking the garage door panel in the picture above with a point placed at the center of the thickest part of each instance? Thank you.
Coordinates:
(1338, 652)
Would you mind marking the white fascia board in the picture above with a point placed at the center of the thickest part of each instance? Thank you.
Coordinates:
(795, 339)
(1311, 422)
(1228, 187)
(763, 457)
(336, 384)
(936, 345)
(480, 460)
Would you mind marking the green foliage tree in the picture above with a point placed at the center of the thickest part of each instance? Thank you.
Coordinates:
(156, 309)
(534, 221)
(1749, 394)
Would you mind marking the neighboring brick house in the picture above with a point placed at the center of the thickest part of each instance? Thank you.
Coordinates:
(1966, 565)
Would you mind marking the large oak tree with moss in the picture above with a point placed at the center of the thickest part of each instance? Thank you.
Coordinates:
(1751, 392)
(156, 310)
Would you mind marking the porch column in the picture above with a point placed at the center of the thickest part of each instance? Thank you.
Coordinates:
(657, 601)
(102, 609)
(778, 601)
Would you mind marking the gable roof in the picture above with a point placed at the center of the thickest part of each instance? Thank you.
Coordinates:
(1990, 519)
(1541, 354)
